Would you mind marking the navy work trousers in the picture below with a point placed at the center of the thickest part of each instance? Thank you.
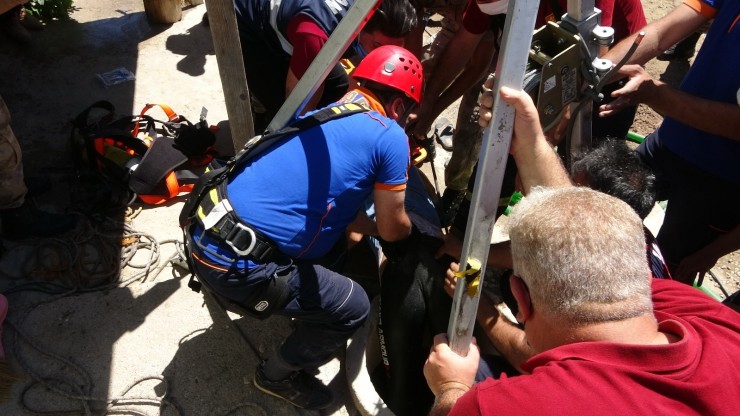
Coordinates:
(327, 306)
(701, 206)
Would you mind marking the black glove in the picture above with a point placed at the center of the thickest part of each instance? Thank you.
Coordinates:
(194, 140)
(395, 250)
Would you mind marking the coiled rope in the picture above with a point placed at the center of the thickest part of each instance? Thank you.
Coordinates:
(91, 260)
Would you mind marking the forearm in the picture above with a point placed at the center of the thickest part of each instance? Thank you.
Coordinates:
(469, 78)
(363, 225)
(724, 244)
(722, 119)
(541, 166)
(499, 255)
(395, 229)
(414, 41)
(444, 402)
(290, 83)
(506, 337)
(450, 65)
(659, 35)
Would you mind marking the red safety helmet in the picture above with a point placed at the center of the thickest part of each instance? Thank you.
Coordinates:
(395, 67)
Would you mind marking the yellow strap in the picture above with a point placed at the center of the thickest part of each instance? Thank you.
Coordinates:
(471, 275)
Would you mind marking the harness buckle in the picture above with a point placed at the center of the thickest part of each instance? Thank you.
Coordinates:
(252, 239)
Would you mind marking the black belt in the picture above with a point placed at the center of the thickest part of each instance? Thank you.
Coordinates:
(244, 240)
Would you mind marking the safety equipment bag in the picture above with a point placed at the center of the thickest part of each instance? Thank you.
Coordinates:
(154, 160)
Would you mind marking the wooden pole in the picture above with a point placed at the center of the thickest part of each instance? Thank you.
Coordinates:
(222, 21)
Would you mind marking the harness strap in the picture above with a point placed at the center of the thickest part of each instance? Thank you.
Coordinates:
(220, 222)
(160, 160)
(208, 202)
(171, 115)
(266, 296)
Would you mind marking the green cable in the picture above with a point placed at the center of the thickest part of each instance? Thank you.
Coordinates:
(515, 197)
(634, 137)
(707, 291)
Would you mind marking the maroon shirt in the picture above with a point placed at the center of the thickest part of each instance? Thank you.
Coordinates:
(699, 374)
(625, 16)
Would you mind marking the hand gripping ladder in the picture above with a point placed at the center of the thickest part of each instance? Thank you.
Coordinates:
(512, 61)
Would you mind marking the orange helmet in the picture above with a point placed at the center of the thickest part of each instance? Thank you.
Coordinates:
(395, 67)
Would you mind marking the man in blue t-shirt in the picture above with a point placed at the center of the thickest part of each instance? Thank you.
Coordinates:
(300, 196)
(696, 149)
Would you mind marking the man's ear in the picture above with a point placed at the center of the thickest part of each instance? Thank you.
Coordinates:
(521, 294)
(396, 109)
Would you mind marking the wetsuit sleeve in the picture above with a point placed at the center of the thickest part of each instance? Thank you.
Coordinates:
(307, 39)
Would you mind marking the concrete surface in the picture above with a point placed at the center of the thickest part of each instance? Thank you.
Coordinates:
(96, 344)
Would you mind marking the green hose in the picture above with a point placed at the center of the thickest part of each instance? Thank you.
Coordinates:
(708, 292)
(635, 138)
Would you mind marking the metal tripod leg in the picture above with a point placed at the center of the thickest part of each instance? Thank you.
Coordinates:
(330, 54)
(583, 18)
(511, 65)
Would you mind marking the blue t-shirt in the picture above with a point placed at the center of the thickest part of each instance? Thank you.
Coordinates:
(715, 75)
(304, 191)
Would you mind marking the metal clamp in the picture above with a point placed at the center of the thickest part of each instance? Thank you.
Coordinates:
(252, 243)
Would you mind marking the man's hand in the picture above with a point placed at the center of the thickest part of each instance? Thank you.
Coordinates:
(452, 246)
(486, 102)
(418, 124)
(445, 370)
(451, 279)
(640, 88)
(697, 263)
(527, 129)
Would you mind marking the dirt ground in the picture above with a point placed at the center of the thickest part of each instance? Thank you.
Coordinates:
(727, 269)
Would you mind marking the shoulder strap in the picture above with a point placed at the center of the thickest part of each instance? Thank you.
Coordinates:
(257, 145)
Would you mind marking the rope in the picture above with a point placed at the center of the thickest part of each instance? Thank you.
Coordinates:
(91, 260)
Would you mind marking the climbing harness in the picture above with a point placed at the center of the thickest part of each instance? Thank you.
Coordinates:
(156, 160)
(208, 205)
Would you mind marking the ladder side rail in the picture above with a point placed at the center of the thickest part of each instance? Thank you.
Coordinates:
(510, 68)
(330, 53)
(584, 17)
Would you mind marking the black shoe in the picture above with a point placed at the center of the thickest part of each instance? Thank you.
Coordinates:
(27, 221)
(300, 389)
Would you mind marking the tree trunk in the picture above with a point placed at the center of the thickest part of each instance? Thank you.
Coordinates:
(163, 11)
